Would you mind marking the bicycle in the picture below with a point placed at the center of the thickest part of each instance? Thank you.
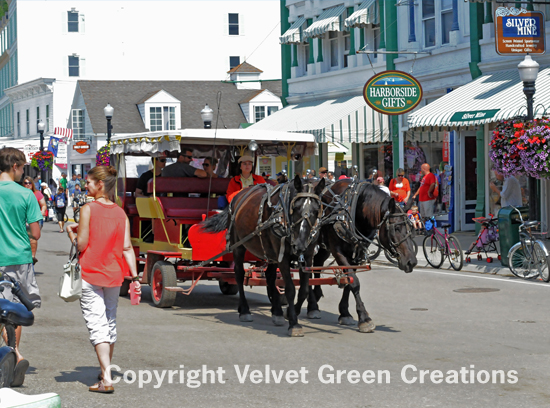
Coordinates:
(76, 209)
(437, 246)
(528, 258)
(12, 315)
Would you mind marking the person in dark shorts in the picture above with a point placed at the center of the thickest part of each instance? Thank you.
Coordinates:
(60, 205)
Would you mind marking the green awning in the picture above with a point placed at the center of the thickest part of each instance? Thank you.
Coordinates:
(365, 14)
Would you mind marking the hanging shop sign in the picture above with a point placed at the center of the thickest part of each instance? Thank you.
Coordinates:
(519, 31)
(446, 146)
(29, 151)
(81, 147)
(392, 92)
(468, 116)
(61, 158)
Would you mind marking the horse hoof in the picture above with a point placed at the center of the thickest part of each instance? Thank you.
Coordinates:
(278, 320)
(296, 332)
(314, 314)
(346, 321)
(245, 318)
(367, 327)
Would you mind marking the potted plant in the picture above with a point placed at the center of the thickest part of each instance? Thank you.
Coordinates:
(42, 160)
(103, 156)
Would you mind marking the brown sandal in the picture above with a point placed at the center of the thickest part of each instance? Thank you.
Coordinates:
(102, 388)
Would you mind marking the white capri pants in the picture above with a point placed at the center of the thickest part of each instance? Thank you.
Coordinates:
(99, 306)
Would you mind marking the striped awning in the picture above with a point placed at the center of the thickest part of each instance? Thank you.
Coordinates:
(489, 98)
(293, 34)
(364, 15)
(329, 20)
(343, 120)
(424, 137)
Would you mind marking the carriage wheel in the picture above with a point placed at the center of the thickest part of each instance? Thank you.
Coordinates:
(227, 288)
(164, 275)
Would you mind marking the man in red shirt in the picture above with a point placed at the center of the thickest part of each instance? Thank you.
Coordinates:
(425, 195)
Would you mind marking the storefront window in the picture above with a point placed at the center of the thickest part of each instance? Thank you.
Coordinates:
(378, 157)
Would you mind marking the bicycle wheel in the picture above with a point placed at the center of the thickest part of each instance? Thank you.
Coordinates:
(76, 216)
(394, 260)
(456, 257)
(520, 262)
(433, 250)
(66, 218)
(543, 261)
(374, 249)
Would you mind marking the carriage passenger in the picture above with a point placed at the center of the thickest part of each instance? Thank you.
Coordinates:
(141, 187)
(209, 165)
(183, 168)
(245, 179)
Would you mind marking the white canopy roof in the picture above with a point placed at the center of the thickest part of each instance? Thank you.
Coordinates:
(154, 142)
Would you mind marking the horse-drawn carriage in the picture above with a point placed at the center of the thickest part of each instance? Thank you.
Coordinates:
(273, 229)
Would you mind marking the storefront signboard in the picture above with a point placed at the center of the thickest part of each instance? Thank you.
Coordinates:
(81, 147)
(29, 151)
(392, 92)
(446, 147)
(61, 158)
(469, 116)
(519, 31)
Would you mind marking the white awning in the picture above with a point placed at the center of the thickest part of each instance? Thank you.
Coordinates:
(346, 119)
(489, 98)
(364, 15)
(329, 20)
(293, 34)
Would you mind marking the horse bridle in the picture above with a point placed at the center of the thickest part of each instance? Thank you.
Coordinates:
(391, 227)
(316, 227)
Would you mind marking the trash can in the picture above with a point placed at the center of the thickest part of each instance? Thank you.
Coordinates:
(508, 229)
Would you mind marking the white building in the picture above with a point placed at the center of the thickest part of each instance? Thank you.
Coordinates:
(47, 46)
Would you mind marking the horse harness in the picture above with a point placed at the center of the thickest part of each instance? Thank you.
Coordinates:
(279, 218)
(342, 217)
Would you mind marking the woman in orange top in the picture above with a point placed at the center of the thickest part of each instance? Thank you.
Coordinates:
(243, 180)
(400, 188)
(106, 253)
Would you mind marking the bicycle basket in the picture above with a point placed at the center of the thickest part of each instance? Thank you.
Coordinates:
(430, 224)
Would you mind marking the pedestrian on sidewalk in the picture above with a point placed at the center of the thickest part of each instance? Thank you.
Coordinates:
(511, 190)
(29, 184)
(400, 188)
(60, 204)
(425, 193)
(71, 184)
(106, 253)
(18, 207)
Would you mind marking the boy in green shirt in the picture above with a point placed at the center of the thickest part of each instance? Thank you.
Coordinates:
(18, 207)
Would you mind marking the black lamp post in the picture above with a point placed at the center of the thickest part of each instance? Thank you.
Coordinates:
(207, 115)
(528, 71)
(108, 110)
(40, 127)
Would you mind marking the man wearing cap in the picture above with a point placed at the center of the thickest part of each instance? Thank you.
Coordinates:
(281, 178)
(183, 168)
(245, 179)
(323, 172)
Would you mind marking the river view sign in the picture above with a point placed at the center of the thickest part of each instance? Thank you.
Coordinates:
(519, 31)
(392, 92)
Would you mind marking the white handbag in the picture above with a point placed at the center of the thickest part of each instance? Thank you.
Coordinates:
(70, 284)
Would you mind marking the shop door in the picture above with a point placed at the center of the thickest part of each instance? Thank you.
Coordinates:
(469, 182)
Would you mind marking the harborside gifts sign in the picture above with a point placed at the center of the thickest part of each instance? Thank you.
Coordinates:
(392, 92)
(519, 31)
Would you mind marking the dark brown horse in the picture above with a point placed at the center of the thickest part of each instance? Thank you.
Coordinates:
(280, 225)
(346, 233)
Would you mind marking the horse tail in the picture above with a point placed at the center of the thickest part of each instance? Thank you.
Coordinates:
(217, 223)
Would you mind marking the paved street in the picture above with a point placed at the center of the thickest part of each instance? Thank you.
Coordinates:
(421, 319)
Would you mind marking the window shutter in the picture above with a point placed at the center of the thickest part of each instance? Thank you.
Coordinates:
(81, 23)
(241, 24)
(82, 65)
(225, 24)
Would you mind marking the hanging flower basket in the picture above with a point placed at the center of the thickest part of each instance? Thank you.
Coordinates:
(103, 156)
(520, 147)
(42, 160)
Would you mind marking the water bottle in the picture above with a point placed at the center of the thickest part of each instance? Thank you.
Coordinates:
(135, 297)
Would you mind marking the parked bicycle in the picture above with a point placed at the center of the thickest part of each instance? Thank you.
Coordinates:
(12, 315)
(79, 202)
(437, 246)
(528, 259)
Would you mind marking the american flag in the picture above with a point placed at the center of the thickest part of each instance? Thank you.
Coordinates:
(66, 133)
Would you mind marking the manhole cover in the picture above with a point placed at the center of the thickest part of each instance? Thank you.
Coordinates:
(476, 290)
(419, 309)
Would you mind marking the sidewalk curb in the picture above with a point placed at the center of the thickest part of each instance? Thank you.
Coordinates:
(470, 268)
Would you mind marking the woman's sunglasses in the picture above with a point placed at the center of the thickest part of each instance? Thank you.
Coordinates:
(27, 182)
(162, 160)
(205, 165)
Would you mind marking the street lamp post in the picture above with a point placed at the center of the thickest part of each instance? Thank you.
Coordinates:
(108, 110)
(207, 115)
(41, 127)
(528, 71)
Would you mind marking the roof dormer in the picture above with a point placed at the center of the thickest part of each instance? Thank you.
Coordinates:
(160, 111)
(248, 74)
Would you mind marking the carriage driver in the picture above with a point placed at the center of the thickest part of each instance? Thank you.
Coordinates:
(245, 179)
